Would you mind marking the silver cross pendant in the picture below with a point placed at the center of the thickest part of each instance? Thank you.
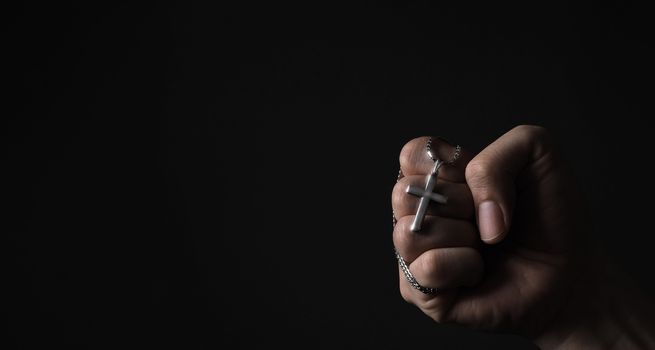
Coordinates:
(426, 196)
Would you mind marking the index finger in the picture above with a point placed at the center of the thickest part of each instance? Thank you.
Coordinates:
(414, 159)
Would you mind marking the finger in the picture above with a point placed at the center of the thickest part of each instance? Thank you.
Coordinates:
(438, 232)
(459, 205)
(414, 159)
(448, 268)
(493, 173)
(436, 306)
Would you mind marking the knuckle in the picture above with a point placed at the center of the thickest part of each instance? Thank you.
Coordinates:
(402, 237)
(407, 153)
(431, 265)
(478, 171)
(531, 131)
(398, 193)
(534, 137)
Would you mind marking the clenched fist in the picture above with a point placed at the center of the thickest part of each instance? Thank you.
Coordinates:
(511, 250)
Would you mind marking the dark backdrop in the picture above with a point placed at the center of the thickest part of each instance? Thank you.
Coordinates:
(194, 175)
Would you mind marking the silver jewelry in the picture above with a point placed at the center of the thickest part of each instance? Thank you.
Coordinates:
(456, 154)
(410, 278)
(426, 195)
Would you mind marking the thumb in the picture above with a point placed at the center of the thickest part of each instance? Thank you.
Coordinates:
(492, 176)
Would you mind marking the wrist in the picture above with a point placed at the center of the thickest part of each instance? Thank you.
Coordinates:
(583, 322)
(603, 311)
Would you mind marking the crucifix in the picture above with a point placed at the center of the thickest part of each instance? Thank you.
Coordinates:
(426, 196)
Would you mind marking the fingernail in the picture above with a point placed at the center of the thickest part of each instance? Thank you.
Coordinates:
(490, 221)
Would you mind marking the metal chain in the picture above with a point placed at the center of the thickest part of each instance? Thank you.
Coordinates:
(456, 154)
(410, 278)
(401, 262)
(393, 214)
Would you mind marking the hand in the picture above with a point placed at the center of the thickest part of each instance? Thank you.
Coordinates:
(511, 249)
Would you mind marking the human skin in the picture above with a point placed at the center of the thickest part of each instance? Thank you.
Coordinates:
(512, 250)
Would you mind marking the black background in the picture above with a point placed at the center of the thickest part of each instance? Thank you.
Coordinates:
(193, 175)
